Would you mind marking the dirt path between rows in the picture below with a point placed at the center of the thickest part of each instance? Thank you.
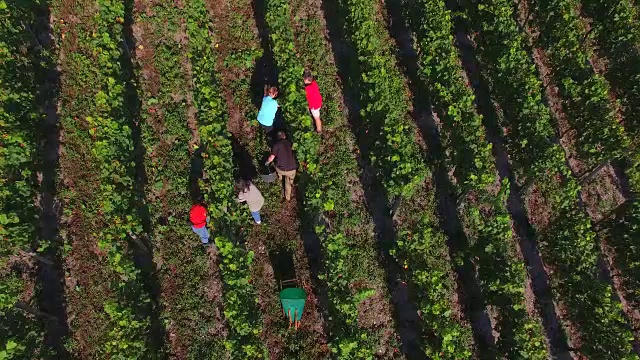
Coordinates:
(86, 282)
(168, 200)
(241, 84)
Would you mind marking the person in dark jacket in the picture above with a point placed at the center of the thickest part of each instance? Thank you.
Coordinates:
(286, 165)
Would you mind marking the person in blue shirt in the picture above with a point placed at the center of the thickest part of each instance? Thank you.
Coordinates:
(269, 108)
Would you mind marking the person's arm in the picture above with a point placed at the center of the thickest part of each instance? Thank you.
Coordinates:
(241, 197)
(270, 159)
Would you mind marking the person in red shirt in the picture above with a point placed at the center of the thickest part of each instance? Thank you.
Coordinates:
(199, 220)
(314, 99)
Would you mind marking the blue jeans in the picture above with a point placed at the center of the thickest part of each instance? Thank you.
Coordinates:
(256, 216)
(203, 232)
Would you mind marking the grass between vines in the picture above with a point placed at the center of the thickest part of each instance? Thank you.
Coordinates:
(189, 294)
(240, 298)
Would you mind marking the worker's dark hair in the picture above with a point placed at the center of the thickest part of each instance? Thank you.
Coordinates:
(307, 75)
(281, 135)
(242, 185)
(198, 200)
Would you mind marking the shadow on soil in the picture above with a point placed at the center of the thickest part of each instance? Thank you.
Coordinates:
(141, 248)
(539, 279)
(51, 297)
(244, 161)
(376, 199)
(468, 288)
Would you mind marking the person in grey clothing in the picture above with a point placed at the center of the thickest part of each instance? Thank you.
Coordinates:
(249, 193)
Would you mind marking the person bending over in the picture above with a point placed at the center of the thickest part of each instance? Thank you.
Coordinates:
(249, 193)
(199, 221)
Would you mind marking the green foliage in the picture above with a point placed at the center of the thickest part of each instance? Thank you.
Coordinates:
(325, 179)
(20, 334)
(568, 243)
(384, 100)
(123, 340)
(239, 296)
(19, 118)
(422, 250)
(589, 108)
(485, 216)
(453, 100)
(99, 139)
(11, 348)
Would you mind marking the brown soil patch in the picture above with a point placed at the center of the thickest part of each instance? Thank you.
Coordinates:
(85, 269)
(374, 313)
(538, 207)
(602, 194)
(192, 120)
(226, 19)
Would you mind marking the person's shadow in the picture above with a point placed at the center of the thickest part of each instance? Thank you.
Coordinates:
(244, 169)
(195, 174)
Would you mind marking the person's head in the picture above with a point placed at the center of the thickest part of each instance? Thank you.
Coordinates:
(281, 135)
(307, 76)
(242, 185)
(272, 91)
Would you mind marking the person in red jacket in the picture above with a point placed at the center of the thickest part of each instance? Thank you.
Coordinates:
(199, 220)
(314, 99)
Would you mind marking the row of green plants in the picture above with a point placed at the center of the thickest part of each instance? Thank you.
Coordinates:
(394, 152)
(20, 334)
(462, 133)
(240, 298)
(566, 239)
(485, 216)
(589, 108)
(183, 266)
(594, 107)
(241, 74)
(421, 246)
(615, 27)
(349, 268)
(97, 164)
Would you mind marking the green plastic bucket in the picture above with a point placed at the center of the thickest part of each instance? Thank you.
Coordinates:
(293, 299)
